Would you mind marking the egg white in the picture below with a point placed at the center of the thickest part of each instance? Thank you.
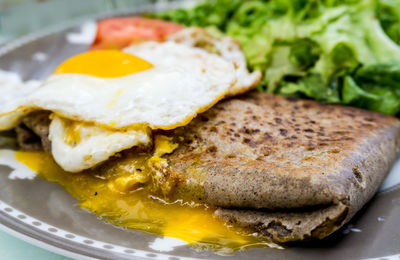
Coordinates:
(94, 145)
(226, 48)
(166, 96)
(111, 110)
(13, 94)
(114, 114)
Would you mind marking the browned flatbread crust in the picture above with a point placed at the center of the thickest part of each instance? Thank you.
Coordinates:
(309, 166)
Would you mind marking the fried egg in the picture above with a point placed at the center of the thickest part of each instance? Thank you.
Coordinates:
(118, 90)
(106, 101)
(226, 48)
(113, 98)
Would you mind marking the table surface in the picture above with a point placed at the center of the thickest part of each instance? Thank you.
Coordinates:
(16, 249)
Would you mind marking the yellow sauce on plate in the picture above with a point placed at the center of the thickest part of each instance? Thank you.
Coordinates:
(194, 223)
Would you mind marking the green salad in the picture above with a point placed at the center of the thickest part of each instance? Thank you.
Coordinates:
(334, 51)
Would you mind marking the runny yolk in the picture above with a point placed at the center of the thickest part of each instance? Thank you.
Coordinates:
(104, 64)
(194, 223)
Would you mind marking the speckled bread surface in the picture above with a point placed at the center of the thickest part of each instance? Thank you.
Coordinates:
(288, 168)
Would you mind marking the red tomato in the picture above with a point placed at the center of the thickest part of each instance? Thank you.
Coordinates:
(116, 33)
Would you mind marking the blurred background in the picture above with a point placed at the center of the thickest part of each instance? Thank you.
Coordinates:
(19, 17)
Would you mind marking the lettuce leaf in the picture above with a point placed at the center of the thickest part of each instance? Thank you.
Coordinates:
(334, 51)
(388, 13)
(372, 97)
(312, 86)
(387, 74)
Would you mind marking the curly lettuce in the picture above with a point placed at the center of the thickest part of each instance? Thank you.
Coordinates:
(334, 51)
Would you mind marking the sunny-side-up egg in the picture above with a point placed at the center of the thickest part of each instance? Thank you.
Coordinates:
(195, 37)
(106, 101)
(225, 47)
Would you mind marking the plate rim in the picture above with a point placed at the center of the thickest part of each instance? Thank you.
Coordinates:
(7, 222)
(32, 230)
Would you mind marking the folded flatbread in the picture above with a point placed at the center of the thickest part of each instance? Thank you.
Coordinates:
(288, 169)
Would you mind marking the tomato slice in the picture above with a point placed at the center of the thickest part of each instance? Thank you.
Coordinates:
(116, 33)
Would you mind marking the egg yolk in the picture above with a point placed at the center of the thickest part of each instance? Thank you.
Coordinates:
(108, 196)
(118, 193)
(104, 64)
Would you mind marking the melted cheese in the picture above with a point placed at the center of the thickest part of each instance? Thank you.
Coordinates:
(191, 222)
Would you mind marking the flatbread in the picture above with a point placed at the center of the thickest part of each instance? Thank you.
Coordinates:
(287, 168)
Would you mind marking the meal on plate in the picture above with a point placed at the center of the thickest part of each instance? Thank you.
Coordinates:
(199, 123)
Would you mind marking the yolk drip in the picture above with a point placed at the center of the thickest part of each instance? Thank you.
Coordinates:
(194, 223)
(104, 64)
